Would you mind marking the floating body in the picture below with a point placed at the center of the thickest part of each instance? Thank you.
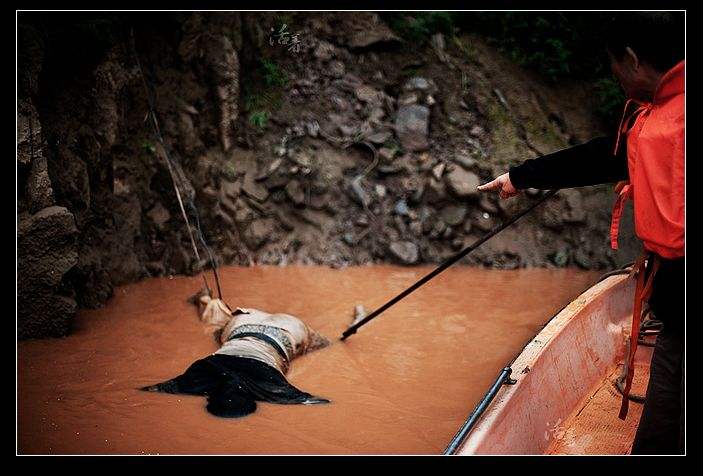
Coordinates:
(256, 351)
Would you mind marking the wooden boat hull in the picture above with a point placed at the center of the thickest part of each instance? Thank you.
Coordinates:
(557, 372)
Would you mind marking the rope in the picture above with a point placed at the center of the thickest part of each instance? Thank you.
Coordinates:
(176, 180)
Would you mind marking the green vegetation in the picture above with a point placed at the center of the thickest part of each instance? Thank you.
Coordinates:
(556, 44)
(229, 171)
(610, 98)
(273, 75)
(149, 147)
(419, 27)
(258, 119)
(263, 92)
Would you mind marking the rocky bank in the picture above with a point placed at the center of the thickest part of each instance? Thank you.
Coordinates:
(338, 144)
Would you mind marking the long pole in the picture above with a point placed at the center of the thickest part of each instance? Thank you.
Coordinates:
(450, 261)
(503, 378)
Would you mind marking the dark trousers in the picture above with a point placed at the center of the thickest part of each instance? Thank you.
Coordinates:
(661, 427)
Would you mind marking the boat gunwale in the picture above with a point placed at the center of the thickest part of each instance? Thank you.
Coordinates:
(533, 352)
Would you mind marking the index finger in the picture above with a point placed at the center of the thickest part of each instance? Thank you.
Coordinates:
(492, 185)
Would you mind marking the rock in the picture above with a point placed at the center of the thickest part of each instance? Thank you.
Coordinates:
(324, 51)
(573, 207)
(387, 153)
(438, 170)
(412, 127)
(312, 128)
(124, 264)
(358, 194)
(407, 99)
(242, 212)
(465, 160)
(368, 30)
(463, 183)
(399, 227)
(438, 229)
(46, 248)
(258, 233)
(276, 181)
(418, 83)
(438, 42)
(405, 251)
(453, 215)
(551, 215)
(29, 132)
(477, 130)
(155, 268)
(417, 193)
(46, 251)
(349, 239)
(336, 69)
(311, 217)
(159, 215)
(222, 212)
(379, 138)
(582, 259)
(347, 131)
(39, 193)
(286, 224)
(266, 171)
(340, 104)
(380, 190)
(376, 115)
(303, 159)
(435, 191)
(426, 214)
(401, 208)
(476, 145)
(319, 202)
(561, 257)
(295, 192)
(390, 169)
(457, 244)
(231, 189)
(487, 205)
(367, 94)
(415, 228)
(253, 189)
(485, 222)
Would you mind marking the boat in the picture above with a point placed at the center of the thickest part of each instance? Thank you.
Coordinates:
(560, 394)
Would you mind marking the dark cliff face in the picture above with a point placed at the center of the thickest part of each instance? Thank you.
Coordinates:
(330, 140)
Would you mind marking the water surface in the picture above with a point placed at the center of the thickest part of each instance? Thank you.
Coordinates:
(402, 385)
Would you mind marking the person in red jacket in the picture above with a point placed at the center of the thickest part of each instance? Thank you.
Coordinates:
(646, 157)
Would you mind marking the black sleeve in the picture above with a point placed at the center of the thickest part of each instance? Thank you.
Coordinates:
(591, 163)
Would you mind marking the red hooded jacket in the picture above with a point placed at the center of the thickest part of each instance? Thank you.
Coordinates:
(655, 153)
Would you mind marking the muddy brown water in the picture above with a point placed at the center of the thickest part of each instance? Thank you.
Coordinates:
(402, 385)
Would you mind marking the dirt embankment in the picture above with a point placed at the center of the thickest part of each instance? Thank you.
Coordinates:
(349, 147)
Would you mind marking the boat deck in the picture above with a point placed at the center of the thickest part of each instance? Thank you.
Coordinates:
(595, 429)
